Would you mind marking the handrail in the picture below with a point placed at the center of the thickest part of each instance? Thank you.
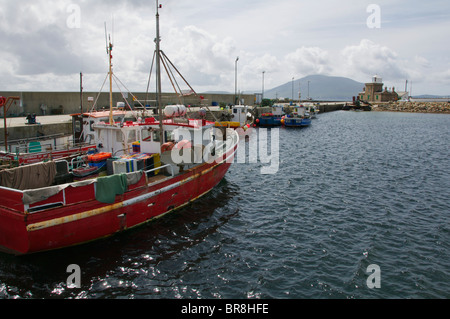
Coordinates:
(77, 160)
(46, 146)
(159, 168)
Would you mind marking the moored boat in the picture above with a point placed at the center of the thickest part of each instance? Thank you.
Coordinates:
(51, 217)
(297, 116)
(153, 167)
(34, 150)
(272, 118)
(239, 119)
(312, 109)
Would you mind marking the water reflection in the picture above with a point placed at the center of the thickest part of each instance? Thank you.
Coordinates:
(106, 263)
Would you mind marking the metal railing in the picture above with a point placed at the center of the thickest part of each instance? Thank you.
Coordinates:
(160, 168)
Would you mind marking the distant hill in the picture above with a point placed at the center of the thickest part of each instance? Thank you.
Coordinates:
(217, 92)
(321, 87)
(427, 96)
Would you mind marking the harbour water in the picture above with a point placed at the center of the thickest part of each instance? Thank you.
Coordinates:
(353, 190)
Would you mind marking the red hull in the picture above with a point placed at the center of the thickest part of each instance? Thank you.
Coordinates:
(80, 218)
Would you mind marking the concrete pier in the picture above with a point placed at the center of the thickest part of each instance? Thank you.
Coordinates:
(62, 124)
(325, 107)
(59, 103)
(47, 125)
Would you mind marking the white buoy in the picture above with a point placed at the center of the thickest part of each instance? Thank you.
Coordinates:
(175, 110)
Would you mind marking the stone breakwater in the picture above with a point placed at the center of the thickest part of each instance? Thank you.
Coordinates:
(413, 107)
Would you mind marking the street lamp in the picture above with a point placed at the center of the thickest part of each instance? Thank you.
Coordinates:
(293, 89)
(235, 81)
(262, 96)
(308, 90)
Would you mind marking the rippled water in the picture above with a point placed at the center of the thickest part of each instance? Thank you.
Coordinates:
(354, 189)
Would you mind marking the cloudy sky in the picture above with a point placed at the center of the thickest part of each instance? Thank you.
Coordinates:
(47, 43)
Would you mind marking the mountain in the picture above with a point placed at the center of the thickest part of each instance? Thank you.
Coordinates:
(427, 96)
(321, 87)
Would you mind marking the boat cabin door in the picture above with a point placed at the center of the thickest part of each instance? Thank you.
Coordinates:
(240, 114)
(77, 127)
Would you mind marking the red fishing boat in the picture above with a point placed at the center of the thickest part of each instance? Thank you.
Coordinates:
(35, 150)
(153, 167)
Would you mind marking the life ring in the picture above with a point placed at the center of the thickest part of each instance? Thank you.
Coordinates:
(167, 147)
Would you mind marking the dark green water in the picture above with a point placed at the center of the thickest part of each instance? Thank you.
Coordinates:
(353, 190)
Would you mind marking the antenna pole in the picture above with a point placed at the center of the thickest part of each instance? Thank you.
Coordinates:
(81, 91)
(158, 76)
(111, 118)
(109, 48)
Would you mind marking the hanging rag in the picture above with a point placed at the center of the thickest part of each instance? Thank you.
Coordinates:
(29, 176)
(109, 187)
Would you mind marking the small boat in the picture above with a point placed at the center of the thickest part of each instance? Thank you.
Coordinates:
(271, 119)
(89, 166)
(312, 109)
(297, 116)
(240, 119)
(38, 149)
(153, 167)
(35, 150)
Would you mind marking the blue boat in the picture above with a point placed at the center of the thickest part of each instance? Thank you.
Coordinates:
(271, 119)
(299, 117)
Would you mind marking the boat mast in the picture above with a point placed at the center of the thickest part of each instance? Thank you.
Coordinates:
(158, 75)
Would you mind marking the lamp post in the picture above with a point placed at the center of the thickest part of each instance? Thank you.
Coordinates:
(308, 90)
(235, 81)
(262, 96)
(293, 89)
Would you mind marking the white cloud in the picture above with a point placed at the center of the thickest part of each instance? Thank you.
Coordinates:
(200, 56)
(309, 60)
(285, 38)
(369, 58)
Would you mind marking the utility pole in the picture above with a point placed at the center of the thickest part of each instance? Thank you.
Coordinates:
(81, 92)
(262, 96)
(235, 81)
(293, 89)
(6, 104)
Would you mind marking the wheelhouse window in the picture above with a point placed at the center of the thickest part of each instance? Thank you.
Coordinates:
(146, 135)
(131, 136)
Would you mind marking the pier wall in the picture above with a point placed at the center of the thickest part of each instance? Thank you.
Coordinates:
(414, 107)
(56, 103)
(331, 107)
(17, 133)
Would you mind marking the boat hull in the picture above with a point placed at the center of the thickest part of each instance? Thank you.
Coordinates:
(80, 218)
(297, 122)
(269, 121)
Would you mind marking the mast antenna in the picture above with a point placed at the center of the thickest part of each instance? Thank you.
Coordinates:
(109, 47)
(106, 39)
(158, 75)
